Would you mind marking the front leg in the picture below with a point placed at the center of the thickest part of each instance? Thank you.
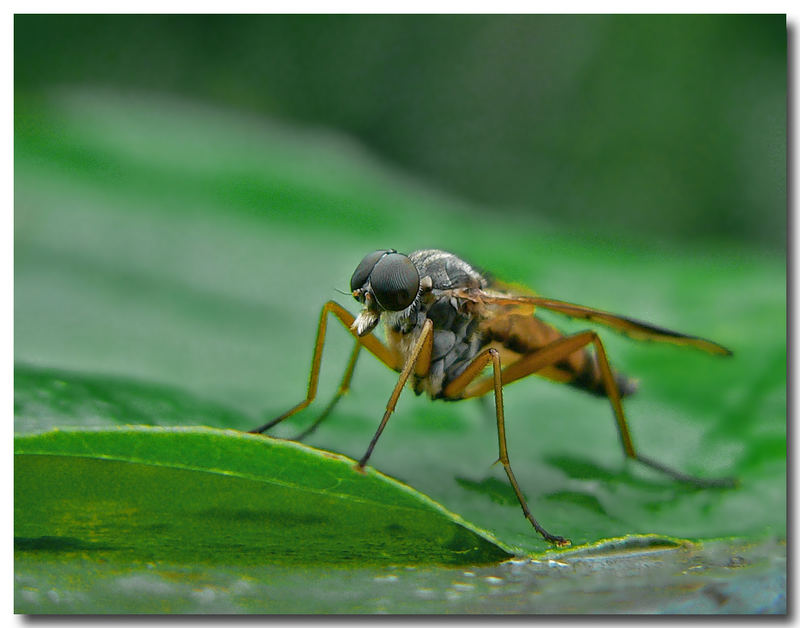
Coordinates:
(370, 342)
(419, 360)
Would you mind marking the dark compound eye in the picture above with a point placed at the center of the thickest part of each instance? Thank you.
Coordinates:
(395, 282)
(363, 270)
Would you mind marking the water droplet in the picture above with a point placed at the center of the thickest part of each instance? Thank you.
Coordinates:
(462, 586)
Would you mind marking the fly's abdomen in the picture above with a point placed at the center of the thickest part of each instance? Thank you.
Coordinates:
(521, 335)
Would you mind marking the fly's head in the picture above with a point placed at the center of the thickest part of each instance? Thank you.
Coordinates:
(384, 281)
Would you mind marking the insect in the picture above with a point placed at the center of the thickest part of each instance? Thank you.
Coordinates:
(446, 322)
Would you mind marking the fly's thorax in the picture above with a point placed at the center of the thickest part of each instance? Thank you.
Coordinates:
(408, 322)
(456, 337)
(446, 312)
(447, 271)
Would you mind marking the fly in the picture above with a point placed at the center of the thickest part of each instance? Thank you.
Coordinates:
(445, 323)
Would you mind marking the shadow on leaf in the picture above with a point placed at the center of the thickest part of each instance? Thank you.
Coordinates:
(584, 500)
(496, 490)
(581, 469)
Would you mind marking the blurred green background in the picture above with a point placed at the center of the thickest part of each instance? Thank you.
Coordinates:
(189, 190)
(629, 126)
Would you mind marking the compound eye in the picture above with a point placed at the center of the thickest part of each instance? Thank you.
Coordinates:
(363, 270)
(395, 282)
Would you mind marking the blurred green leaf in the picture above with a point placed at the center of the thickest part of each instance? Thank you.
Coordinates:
(49, 398)
(655, 126)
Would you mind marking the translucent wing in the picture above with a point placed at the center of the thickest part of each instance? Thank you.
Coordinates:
(638, 330)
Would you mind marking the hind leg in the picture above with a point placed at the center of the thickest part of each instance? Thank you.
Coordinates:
(560, 349)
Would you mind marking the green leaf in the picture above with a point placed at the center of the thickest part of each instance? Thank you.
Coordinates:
(48, 398)
(197, 495)
(183, 254)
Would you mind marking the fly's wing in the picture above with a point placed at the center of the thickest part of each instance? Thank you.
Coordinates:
(638, 330)
(517, 334)
(510, 287)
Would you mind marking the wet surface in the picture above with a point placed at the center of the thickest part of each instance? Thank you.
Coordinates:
(630, 576)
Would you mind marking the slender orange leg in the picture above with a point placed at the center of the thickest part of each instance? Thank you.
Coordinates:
(370, 342)
(560, 349)
(344, 387)
(461, 383)
(420, 358)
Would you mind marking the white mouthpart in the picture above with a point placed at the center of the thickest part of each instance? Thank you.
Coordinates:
(365, 322)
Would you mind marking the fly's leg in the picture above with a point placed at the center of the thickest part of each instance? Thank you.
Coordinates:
(370, 342)
(343, 388)
(622, 425)
(560, 349)
(454, 391)
(418, 361)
